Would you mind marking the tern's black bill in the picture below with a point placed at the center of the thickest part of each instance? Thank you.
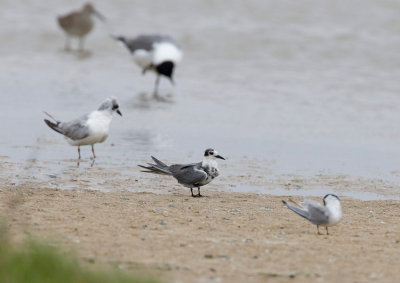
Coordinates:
(220, 157)
(119, 112)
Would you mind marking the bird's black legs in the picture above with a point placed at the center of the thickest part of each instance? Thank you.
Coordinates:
(94, 155)
(319, 233)
(327, 230)
(198, 195)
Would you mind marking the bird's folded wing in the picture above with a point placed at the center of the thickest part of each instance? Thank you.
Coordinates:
(76, 129)
(146, 42)
(188, 174)
(318, 214)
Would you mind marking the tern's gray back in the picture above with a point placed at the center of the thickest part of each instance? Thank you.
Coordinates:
(188, 174)
(75, 129)
(146, 42)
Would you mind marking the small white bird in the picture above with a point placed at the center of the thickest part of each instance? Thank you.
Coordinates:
(190, 175)
(78, 24)
(328, 215)
(157, 53)
(89, 129)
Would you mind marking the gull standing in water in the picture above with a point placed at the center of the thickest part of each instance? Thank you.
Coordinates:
(89, 129)
(157, 53)
(78, 24)
(190, 175)
(328, 215)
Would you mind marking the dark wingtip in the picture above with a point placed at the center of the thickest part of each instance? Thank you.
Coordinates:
(284, 202)
(118, 37)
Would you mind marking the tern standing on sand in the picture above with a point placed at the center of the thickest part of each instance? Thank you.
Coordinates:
(190, 175)
(78, 24)
(328, 215)
(89, 129)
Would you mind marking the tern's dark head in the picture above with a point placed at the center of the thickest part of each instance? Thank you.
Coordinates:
(329, 197)
(166, 69)
(110, 104)
(211, 153)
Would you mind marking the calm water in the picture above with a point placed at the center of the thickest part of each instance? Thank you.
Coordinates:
(307, 87)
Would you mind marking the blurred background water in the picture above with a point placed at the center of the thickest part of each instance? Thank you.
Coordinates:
(306, 87)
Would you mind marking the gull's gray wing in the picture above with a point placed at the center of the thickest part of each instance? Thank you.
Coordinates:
(318, 214)
(76, 129)
(189, 174)
(146, 42)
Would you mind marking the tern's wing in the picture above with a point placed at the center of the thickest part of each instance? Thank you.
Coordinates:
(318, 214)
(76, 129)
(189, 174)
(299, 211)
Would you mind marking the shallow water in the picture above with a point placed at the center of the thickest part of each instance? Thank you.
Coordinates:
(302, 88)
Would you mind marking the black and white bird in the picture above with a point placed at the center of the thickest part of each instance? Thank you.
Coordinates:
(90, 128)
(157, 53)
(327, 215)
(190, 175)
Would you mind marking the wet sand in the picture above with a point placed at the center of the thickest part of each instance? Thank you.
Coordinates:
(221, 237)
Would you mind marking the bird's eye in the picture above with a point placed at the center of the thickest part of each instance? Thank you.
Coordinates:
(115, 107)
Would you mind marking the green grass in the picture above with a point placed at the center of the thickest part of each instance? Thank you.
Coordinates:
(35, 262)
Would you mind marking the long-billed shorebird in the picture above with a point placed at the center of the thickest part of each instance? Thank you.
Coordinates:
(327, 215)
(157, 53)
(78, 24)
(190, 175)
(89, 129)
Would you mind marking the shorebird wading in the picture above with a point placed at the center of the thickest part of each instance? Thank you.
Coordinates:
(328, 215)
(190, 175)
(157, 53)
(89, 129)
(78, 24)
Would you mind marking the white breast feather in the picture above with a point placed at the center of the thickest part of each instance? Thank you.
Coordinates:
(166, 51)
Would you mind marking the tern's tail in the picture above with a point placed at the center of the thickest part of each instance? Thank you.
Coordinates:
(118, 38)
(52, 125)
(158, 168)
(297, 210)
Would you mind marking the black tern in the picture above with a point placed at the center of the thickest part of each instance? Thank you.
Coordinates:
(328, 215)
(158, 53)
(190, 175)
(78, 24)
(89, 129)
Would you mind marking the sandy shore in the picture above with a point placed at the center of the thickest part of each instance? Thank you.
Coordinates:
(222, 237)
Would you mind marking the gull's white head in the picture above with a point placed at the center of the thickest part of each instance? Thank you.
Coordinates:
(212, 154)
(110, 105)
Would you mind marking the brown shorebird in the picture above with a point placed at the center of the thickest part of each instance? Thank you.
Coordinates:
(78, 24)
